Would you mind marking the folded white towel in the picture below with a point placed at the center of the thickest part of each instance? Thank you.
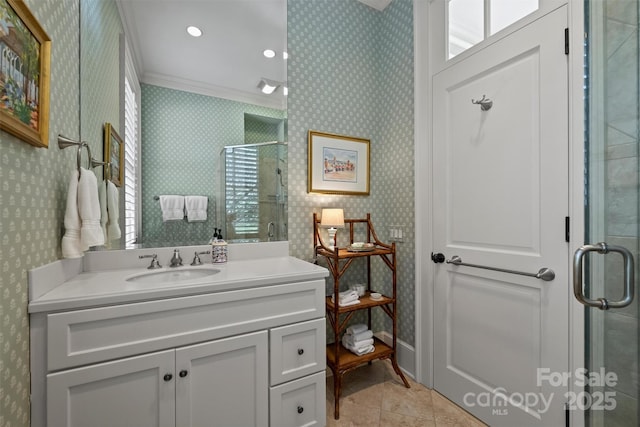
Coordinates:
(71, 245)
(89, 209)
(196, 207)
(354, 339)
(172, 207)
(346, 296)
(356, 344)
(360, 351)
(357, 328)
(113, 208)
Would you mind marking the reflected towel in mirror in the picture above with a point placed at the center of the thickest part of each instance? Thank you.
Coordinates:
(113, 208)
(172, 207)
(196, 208)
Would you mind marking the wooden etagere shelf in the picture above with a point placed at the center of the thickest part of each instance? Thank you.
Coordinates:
(339, 359)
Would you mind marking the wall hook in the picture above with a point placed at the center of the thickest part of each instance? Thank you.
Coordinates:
(485, 103)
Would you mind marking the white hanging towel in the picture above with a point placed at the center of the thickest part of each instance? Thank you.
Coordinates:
(89, 209)
(172, 207)
(113, 208)
(196, 207)
(71, 245)
(104, 213)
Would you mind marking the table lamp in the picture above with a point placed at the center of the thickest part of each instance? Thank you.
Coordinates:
(332, 219)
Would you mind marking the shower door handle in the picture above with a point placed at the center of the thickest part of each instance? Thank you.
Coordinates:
(629, 280)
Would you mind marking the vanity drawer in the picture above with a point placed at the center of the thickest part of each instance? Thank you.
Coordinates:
(300, 402)
(81, 337)
(297, 350)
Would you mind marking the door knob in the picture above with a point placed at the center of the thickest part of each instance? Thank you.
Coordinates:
(437, 258)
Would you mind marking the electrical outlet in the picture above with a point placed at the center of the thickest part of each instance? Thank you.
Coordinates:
(396, 233)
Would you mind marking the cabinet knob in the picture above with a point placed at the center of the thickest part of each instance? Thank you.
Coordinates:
(183, 373)
(168, 377)
(301, 351)
(300, 409)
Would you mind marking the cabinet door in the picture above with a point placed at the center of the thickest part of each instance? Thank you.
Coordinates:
(223, 383)
(123, 393)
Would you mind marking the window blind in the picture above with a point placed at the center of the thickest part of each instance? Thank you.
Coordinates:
(130, 164)
(241, 176)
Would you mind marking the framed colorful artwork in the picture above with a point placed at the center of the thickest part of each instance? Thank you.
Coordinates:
(25, 63)
(338, 164)
(113, 155)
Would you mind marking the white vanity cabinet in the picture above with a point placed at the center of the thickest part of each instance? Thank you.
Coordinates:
(253, 356)
(220, 383)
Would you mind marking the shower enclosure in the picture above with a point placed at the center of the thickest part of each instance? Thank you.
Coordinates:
(611, 340)
(253, 192)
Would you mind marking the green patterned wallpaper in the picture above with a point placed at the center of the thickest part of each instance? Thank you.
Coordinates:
(350, 72)
(100, 70)
(182, 136)
(32, 200)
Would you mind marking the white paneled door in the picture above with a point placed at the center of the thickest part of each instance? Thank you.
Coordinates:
(501, 201)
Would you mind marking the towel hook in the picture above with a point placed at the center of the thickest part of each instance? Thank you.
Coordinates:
(485, 103)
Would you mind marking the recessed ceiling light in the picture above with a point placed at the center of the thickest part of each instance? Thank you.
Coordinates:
(269, 53)
(267, 86)
(194, 31)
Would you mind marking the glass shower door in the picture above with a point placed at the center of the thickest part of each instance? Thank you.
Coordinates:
(253, 192)
(611, 314)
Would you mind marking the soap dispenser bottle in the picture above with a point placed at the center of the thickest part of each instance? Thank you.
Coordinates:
(219, 248)
(214, 237)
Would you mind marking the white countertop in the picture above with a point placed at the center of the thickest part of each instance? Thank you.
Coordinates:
(107, 287)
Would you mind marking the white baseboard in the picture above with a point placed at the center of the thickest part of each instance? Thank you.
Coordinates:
(406, 353)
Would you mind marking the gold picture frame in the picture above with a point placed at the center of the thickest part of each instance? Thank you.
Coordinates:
(113, 155)
(338, 164)
(24, 82)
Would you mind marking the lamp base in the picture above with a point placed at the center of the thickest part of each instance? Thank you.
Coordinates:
(332, 238)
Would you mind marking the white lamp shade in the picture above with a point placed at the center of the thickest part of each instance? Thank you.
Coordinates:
(332, 218)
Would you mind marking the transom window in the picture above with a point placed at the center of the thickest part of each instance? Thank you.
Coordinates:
(471, 21)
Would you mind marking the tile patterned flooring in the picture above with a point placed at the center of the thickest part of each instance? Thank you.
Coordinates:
(374, 396)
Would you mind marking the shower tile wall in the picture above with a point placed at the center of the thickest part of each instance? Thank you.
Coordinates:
(182, 136)
(621, 112)
(33, 191)
(257, 130)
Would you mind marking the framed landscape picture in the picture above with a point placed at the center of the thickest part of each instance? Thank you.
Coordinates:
(338, 164)
(113, 155)
(24, 74)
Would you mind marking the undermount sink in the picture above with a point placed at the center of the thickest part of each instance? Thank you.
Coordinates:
(174, 275)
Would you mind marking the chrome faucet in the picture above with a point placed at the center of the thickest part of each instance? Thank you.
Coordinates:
(196, 257)
(154, 261)
(176, 260)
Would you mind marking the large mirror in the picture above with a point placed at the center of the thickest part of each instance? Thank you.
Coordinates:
(189, 101)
